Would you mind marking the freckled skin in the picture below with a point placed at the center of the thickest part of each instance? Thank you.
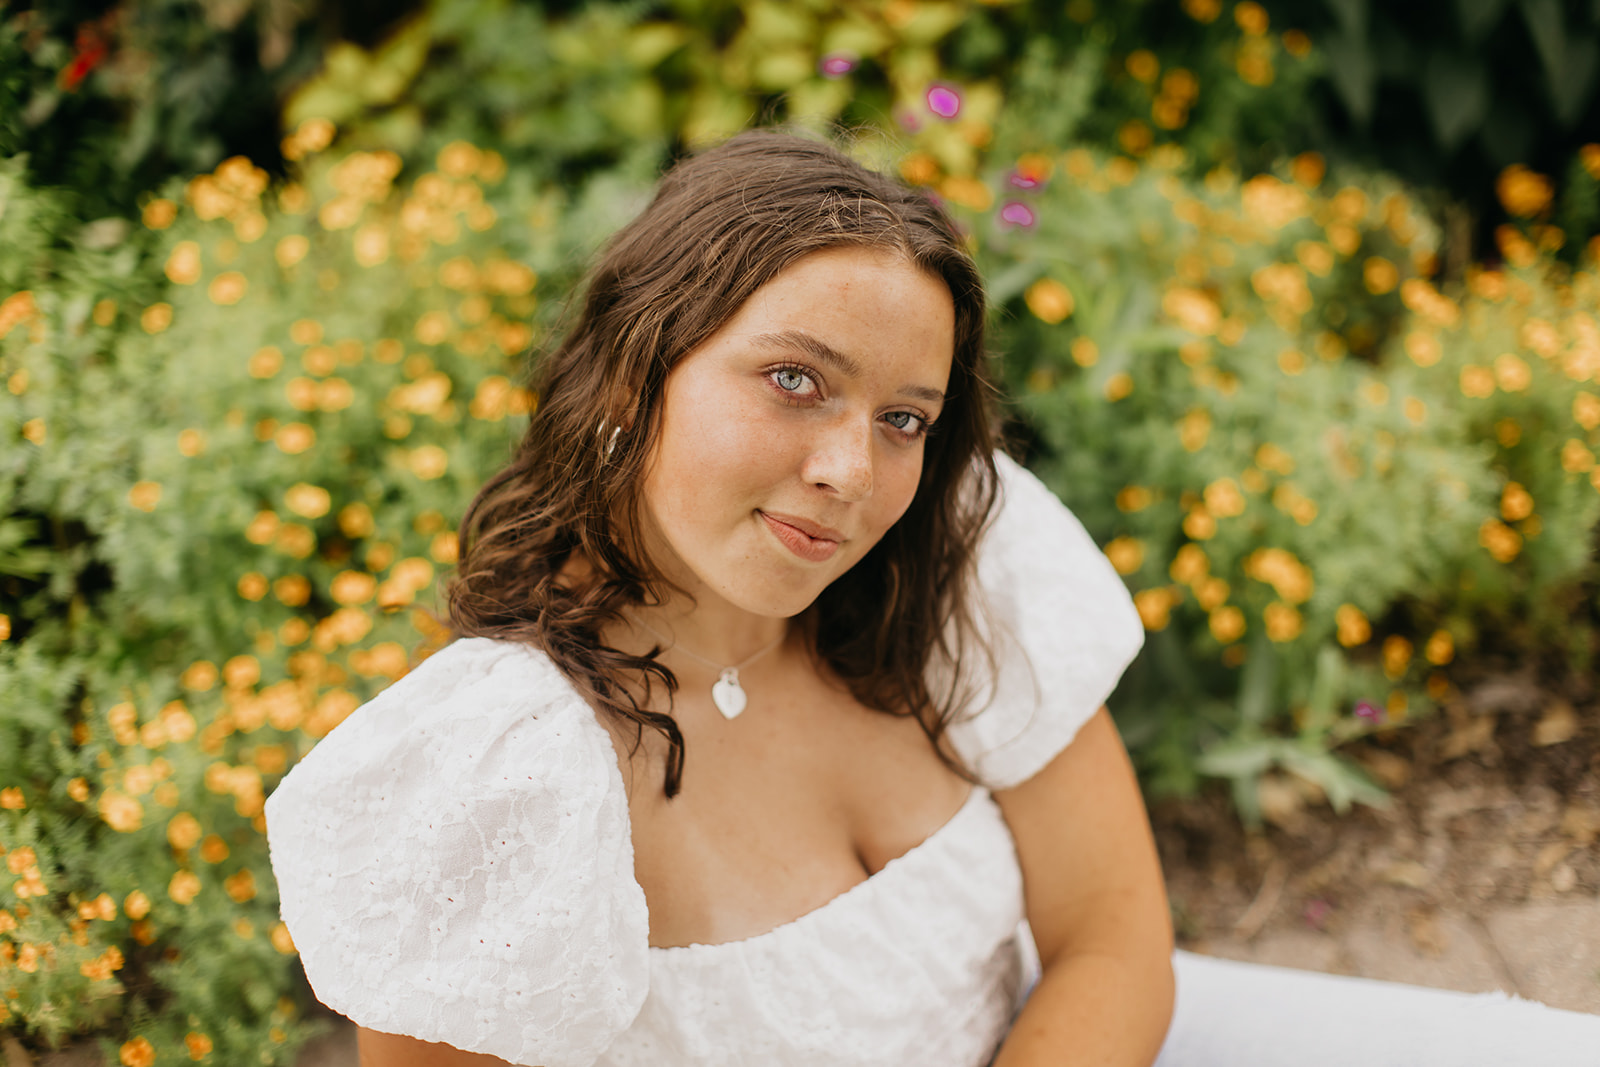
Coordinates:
(731, 442)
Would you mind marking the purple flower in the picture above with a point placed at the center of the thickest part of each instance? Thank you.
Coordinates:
(1369, 712)
(907, 119)
(836, 65)
(1017, 214)
(1024, 181)
(944, 101)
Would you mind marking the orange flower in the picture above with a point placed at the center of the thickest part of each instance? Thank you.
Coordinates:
(1049, 300)
(1523, 192)
(138, 1053)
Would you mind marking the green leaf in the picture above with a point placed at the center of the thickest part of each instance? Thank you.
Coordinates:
(1571, 92)
(1352, 15)
(1259, 684)
(1545, 25)
(1354, 73)
(1341, 780)
(1456, 90)
(1478, 17)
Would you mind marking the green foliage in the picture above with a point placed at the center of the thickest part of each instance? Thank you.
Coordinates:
(237, 436)
(112, 102)
(246, 483)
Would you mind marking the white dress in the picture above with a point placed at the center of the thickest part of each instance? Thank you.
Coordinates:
(455, 862)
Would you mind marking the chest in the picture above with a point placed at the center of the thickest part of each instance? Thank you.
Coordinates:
(804, 795)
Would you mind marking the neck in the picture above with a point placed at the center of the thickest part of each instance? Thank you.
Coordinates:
(706, 638)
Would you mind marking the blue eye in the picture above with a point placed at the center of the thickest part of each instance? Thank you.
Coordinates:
(906, 426)
(789, 380)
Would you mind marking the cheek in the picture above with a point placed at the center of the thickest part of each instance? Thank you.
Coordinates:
(712, 451)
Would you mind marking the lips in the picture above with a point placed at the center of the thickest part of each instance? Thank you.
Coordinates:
(814, 530)
(798, 541)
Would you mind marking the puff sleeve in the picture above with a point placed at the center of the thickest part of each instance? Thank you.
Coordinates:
(1062, 625)
(454, 863)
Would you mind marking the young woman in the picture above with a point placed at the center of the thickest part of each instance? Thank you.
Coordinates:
(747, 760)
(776, 733)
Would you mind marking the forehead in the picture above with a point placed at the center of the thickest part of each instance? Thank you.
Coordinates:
(871, 304)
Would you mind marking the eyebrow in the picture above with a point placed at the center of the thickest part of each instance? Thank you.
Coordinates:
(799, 340)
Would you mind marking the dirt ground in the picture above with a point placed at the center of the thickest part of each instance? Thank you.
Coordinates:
(1496, 803)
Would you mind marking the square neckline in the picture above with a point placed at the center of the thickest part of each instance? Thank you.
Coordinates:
(975, 794)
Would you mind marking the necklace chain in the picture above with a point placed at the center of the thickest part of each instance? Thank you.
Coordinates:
(707, 662)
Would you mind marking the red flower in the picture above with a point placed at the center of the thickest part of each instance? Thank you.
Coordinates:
(91, 51)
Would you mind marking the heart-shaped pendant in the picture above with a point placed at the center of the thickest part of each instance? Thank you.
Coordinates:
(728, 695)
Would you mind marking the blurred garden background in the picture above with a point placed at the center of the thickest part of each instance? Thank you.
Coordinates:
(1296, 302)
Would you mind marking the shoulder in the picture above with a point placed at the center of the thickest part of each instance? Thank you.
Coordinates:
(1062, 625)
(454, 862)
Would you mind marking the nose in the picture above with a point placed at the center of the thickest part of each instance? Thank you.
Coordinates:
(841, 461)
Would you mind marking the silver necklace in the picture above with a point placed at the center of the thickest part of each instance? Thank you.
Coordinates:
(726, 693)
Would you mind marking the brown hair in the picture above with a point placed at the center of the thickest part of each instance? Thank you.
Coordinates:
(723, 224)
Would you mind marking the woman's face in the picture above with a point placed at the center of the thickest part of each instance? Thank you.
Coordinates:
(804, 414)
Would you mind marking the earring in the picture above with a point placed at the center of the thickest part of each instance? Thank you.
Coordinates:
(611, 445)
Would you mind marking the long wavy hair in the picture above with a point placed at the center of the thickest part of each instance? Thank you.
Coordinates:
(722, 224)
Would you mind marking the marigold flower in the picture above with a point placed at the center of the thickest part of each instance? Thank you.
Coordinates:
(159, 214)
(1251, 17)
(1126, 554)
(1134, 498)
(1380, 275)
(1515, 502)
(1227, 624)
(1576, 458)
(1199, 524)
(308, 501)
(183, 263)
(294, 438)
(1502, 542)
(1211, 593)
(198, 1045)
(1477, 382)
(121, 812)
(1283, 622)
(1143, 65)
(1397, 652)
(11, 799)
(1440, 649)
(1223, 498)
(1523, 192)
(1189, 565)
(1423, 348)
(1192, 309)
(183, 831)
(1512, 373)
(1154, 607)
(967, 192)
(241, 885)
(213, 849)
(137, 1053)
(136, 905)
(281, 940)
(227, 288)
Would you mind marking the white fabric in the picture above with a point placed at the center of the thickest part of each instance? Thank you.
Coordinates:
(1066, 630)
(454, 863)
(1232, 1014)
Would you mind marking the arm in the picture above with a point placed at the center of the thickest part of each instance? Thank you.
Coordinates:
(378, 1049)
(1095, 899)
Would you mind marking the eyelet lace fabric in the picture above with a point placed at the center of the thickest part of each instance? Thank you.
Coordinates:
(455, 860)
